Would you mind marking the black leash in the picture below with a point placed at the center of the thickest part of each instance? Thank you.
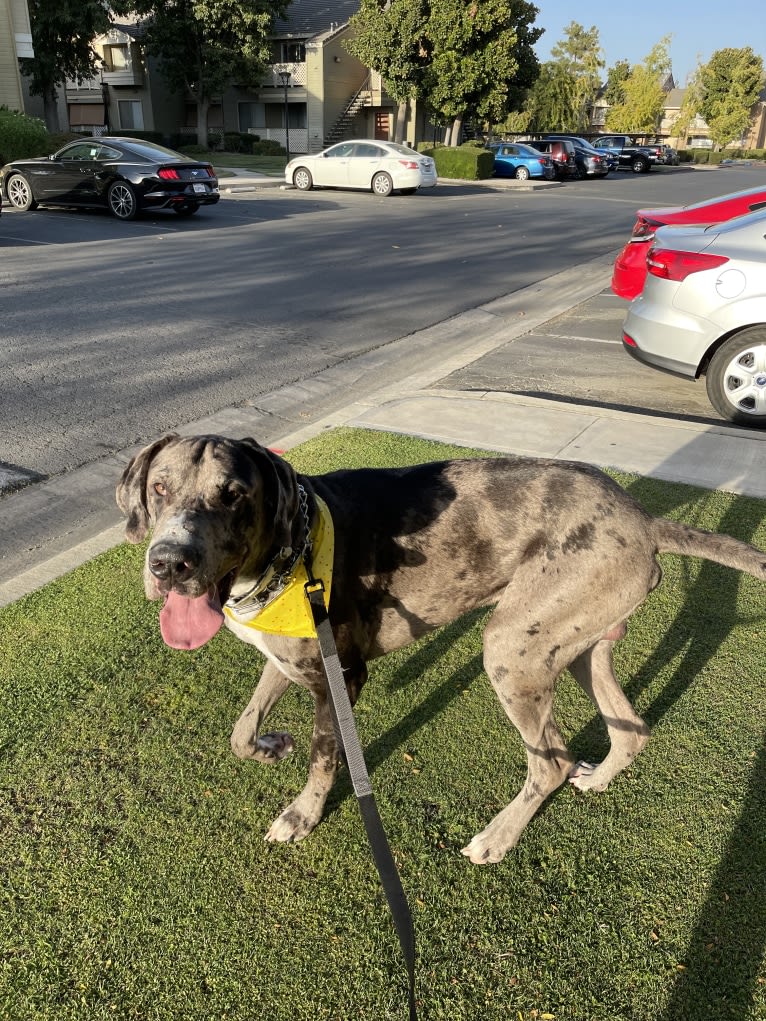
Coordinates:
(348, 743)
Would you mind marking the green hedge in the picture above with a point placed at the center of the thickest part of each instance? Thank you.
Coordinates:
(710, 156)
(21, 136)
(466, 163)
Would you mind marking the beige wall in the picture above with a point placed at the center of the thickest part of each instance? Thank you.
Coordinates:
(15, 42)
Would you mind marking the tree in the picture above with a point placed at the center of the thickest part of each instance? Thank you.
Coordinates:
(616, 76)
(473, 58)
(562, 97)
(644, 96)
(480, 58)
(690, 107)
(390, 37)
(62, 31)
(730, 84)
(204, 45)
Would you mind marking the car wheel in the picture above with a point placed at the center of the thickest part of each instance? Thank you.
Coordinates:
(303, 180)
(640, 165)
(736, 378)
(188, 210)
(19, 193)
(382, 184)
(122, 201)
(522, 174)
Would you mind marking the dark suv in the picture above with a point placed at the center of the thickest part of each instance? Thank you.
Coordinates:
(590, 162)
(561, 151)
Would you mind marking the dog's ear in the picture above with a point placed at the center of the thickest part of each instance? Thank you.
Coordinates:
(131, 489)
(280, 489)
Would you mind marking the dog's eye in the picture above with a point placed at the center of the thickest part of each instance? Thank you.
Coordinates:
(160, 489)
(230, 495)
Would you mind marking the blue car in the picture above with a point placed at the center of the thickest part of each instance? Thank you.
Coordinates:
(512, 159)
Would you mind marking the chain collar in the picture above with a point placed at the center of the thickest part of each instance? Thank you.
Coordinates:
(273, 581)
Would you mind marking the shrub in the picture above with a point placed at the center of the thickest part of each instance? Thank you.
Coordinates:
(268, 147)
(59, 139)
(194, 150)
(21, 136)
(146, 136)
(466, 163)
(183, 140)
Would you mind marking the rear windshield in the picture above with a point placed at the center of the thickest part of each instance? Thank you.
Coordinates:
(151, 151)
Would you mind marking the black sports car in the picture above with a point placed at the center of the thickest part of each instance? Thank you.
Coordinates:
(124, 174)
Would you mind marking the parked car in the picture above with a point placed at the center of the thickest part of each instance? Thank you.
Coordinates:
(123, 175)
(514, 159)
(669, 156)
(630, 265)
(703, 312)
(380, 167)
(590, 162)
(561, 152)
(631, 156)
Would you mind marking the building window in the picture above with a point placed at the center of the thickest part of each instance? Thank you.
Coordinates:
(117, 58)
(252, 115)
(287, 52)
(131, 114)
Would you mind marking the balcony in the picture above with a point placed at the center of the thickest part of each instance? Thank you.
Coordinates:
(271, 78)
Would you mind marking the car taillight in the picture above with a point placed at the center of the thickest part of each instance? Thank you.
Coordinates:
(210, 171)
(169, 174)
(409, 164)
(627, 339)
(671, 265)
(644, 227)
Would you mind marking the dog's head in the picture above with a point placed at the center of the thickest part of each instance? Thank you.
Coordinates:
(218, 509)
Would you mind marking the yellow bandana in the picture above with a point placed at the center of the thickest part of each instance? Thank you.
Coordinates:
(289, 613)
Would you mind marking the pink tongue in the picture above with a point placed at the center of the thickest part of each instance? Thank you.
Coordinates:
(188, 623)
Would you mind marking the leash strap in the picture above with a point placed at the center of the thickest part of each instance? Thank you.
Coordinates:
(348, 742)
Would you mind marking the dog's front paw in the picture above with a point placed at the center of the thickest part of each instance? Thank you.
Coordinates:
(273, 747)
(483, 850)
(292, 825)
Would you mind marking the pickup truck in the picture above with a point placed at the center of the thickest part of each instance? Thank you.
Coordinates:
(638, 158)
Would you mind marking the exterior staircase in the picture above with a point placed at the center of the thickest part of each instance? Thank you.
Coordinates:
(343, 126)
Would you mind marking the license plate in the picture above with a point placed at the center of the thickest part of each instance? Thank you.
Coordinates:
(199, 188)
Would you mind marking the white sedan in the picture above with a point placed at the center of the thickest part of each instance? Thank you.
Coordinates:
(381, 167)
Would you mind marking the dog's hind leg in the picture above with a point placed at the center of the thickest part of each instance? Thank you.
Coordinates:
(524, 678)
(628, 733)
(247, 742)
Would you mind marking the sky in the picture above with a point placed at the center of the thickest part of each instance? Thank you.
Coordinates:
(628, 31)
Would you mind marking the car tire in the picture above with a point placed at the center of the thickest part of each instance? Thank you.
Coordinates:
(19, 192)
(521, 174)
(303, 180)
(122, 201)
(639, 165)
(188, 210)
(382, 184)
(736, 378)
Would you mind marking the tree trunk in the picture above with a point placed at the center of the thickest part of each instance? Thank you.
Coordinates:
(203, 105)
(400, 124)
(51, 110)
(447, 134)
(457, 128)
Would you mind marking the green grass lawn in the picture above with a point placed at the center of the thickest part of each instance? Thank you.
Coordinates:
(274, 166)
(136, 884)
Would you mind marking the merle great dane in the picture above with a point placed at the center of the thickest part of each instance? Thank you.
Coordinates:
(560, 550)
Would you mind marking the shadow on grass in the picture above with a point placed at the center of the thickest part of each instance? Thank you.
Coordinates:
(725, 952)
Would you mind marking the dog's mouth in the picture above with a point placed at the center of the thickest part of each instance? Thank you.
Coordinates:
(189, 622)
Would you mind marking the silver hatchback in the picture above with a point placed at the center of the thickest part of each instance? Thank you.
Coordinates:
(703, 312)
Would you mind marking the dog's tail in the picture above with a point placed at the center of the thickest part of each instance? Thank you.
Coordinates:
(672, 537)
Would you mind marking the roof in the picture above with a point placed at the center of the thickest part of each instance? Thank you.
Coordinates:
(311, 17)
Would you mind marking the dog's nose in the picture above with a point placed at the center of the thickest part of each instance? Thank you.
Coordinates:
(171, 562)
